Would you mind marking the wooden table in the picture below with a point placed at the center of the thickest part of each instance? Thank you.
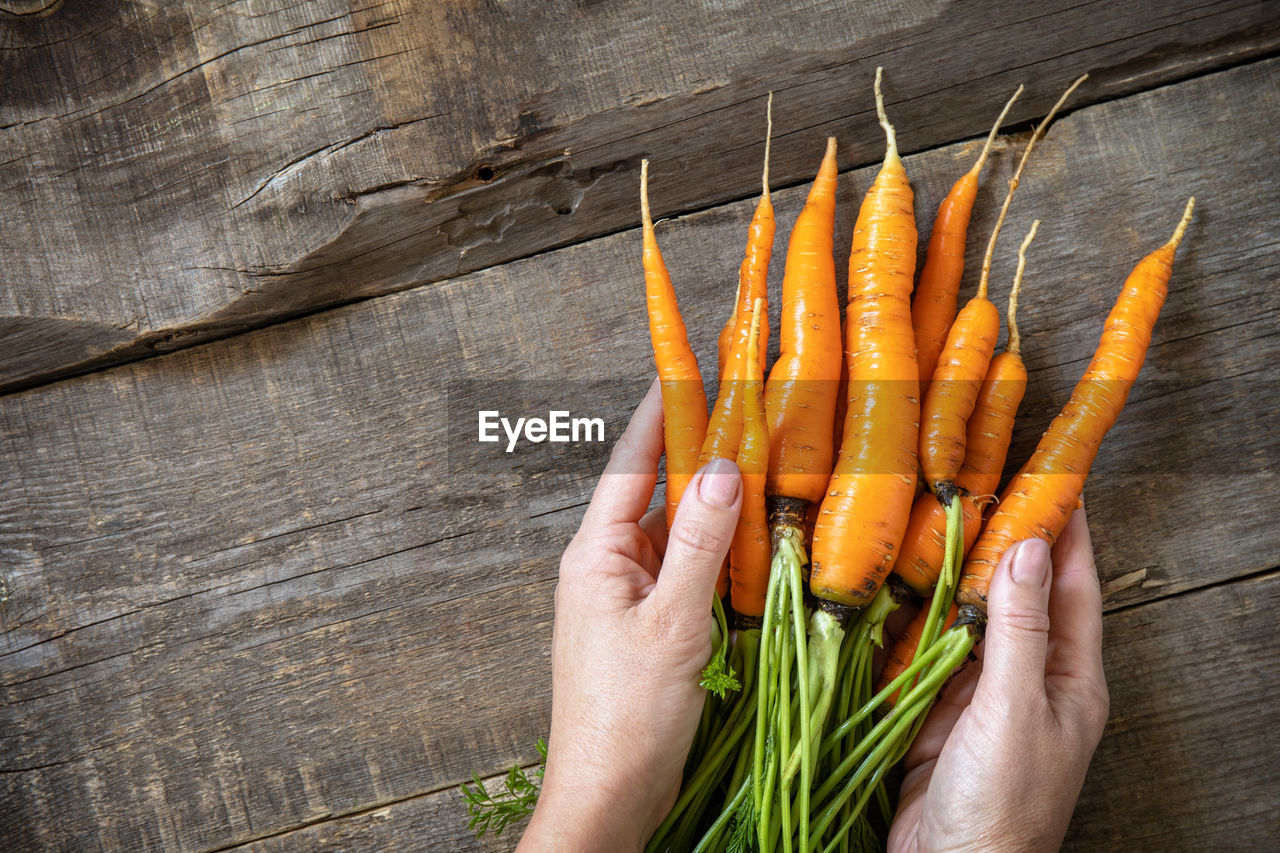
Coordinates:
(263, 262)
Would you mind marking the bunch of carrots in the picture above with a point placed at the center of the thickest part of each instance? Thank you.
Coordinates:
(871, 456)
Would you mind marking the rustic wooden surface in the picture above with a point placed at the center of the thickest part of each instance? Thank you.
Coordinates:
(1158, 741)
(174, 172)
(269, 593)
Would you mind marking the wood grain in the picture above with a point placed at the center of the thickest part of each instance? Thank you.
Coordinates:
(270, 580)
(180, 171)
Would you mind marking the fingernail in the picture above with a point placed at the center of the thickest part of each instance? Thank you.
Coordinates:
(1031, 562)
(720, 483)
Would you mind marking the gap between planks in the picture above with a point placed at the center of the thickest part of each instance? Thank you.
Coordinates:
(202, 339)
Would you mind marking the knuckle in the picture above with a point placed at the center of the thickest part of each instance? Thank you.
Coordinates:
(674, 639)
(1087, 718)
(627, 445)
(1019, 619)
(700, 538)
(1097, 710)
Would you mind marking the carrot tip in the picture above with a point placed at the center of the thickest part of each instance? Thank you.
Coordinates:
(1182, 223)
(892, 151)
(768, 142)
(995, 129)
(644, 194)
(1015, 340)
(1013, 182)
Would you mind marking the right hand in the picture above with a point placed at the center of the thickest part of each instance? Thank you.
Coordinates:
(1001, 759)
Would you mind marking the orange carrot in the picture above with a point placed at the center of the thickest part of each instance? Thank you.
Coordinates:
(986, 446)
(750, 553)
(864, 513)
(684, 404)
(1048, 489)
(842, 400)
(991, 426)
(934, 306)
(904, 650)
(726, 334)
(753, 275)
(953, 389)
(800, 391)
(724, 429)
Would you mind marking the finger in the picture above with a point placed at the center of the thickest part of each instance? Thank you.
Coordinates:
(1075, 604)
(654, 524)
(943, 716)
(1017, 633)
(699, 540)
(922, 758)
(626, 486)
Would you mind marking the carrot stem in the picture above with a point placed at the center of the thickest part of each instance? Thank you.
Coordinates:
(833, 739)
(806, 705)
(944, 593)
(764, 681)
(715, 761)
(718, 676)
(774, 683)
(892, 732)
(710, 841)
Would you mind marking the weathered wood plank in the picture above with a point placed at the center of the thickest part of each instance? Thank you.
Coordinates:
(273, 579)
(1188, 758)
(1164, 776)
(178, 171)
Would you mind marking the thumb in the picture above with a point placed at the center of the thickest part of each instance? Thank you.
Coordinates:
(1017, 635)
(699, 540)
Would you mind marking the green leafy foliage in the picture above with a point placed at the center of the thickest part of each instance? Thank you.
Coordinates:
(743, 837)
(512, 802)
(718, 676)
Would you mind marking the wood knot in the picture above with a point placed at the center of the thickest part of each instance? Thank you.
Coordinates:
(29, 8)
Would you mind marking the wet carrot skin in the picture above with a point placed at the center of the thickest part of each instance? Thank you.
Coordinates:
(799, 398)
(724, 429)
(990, 427)
(684, 403)
(988, 434)
(934, 307)
(953, 391)
(924, 543)
(753, 280)
(753, 275)
(750, 553)
(1042, 497)
(865, 511)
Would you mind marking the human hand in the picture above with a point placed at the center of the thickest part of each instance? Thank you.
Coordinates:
(632, 633)
(1000, 761)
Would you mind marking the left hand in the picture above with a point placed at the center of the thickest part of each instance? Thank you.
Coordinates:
(632, 633)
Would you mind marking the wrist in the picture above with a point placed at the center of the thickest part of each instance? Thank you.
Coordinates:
(572, 817)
